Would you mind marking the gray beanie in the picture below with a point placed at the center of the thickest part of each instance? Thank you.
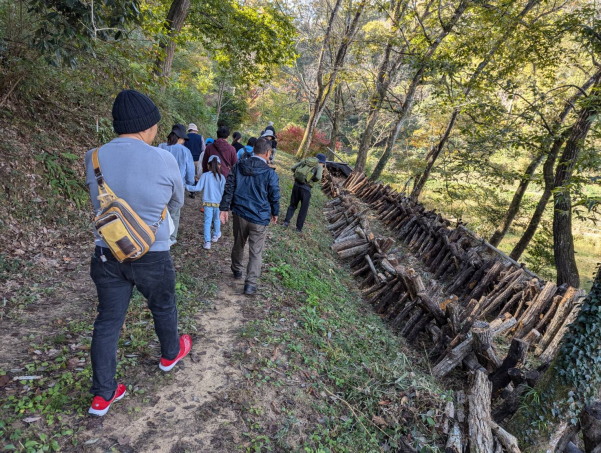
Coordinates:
(134, 112)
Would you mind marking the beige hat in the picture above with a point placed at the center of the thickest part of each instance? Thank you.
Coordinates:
(192, 127)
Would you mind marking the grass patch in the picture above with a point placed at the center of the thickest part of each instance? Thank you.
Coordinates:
(359, 388)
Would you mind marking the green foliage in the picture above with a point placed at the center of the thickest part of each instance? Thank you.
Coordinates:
(62, 178)
(540, 257)
(247, 42)
(579, 364)
(233, 111)
(64, 28)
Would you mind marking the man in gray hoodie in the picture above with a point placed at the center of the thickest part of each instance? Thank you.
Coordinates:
(149, 179)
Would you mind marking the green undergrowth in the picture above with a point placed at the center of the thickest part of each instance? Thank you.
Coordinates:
(46, 407)
(356, 386)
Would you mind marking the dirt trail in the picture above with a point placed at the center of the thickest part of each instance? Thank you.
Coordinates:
(193, 410)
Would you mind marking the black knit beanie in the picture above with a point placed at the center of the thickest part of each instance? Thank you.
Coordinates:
(134, 112)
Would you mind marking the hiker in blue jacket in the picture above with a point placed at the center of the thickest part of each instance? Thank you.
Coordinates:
(175, 145)
(252, 192)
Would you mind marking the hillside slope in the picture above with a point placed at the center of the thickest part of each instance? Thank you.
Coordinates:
(305, 365)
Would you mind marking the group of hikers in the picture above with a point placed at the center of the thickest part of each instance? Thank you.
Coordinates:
(137, 191)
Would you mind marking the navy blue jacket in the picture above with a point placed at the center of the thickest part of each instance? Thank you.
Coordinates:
(252, 191)
(195, 144)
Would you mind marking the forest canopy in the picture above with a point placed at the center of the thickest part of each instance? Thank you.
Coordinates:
(488, 111)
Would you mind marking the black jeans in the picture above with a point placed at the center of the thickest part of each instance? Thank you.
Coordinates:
(154, 276)
(300, 194)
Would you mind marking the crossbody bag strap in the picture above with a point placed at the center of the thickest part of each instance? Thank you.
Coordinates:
(222, 158)
(106, 194)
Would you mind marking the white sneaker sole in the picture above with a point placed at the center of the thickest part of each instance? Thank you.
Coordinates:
(169, 367)
(102, 412)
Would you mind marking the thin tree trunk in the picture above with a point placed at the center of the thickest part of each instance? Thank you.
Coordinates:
(514, 206)
(403, 116)
(336, 120)
(516, 201)
(432, 156)
(178, 12)
(549, 176)
(563, 239)
(405, 111)
(382, 83)
(387, 71)
(324, 89)
(537, 216)
(420, 182)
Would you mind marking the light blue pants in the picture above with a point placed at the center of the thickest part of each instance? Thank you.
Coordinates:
(211, 216)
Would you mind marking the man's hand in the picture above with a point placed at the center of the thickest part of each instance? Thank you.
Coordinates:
(224, 216)
(274, 219)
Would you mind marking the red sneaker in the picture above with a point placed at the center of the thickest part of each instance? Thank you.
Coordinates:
(185, 345)
(100, 406)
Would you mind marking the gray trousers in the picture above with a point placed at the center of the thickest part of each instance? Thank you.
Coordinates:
(255, 235)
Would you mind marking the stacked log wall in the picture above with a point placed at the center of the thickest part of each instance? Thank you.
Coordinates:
(476, 295)
(483, 281)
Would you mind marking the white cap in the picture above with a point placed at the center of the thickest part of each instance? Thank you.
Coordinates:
(192, 127)
(270, 123)
(268, 133)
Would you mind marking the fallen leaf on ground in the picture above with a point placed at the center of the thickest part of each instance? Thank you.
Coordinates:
(379, 420)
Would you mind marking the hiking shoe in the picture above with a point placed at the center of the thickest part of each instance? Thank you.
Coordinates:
(250, 290)
(237, 275)
(215, 238)
(185, 345)
(207, 245)
(100, 406)
(285, 224)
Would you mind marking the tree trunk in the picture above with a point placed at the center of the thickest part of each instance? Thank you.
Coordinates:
(383, 80)
(324, 89)
(175, 21)
(432, 156)
(416, 81)
(516, 201)
(548, 172)
(563, 240)
(420, 181)
(519, 194)
(336, 117)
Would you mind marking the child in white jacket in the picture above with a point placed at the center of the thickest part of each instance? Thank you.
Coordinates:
(212, 185)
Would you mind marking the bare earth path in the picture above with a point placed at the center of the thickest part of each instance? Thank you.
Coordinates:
(193, 410)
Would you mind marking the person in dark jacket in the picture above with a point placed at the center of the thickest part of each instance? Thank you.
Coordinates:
(301, 192)
(252, 192)
(196, 145)
(222, 149)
